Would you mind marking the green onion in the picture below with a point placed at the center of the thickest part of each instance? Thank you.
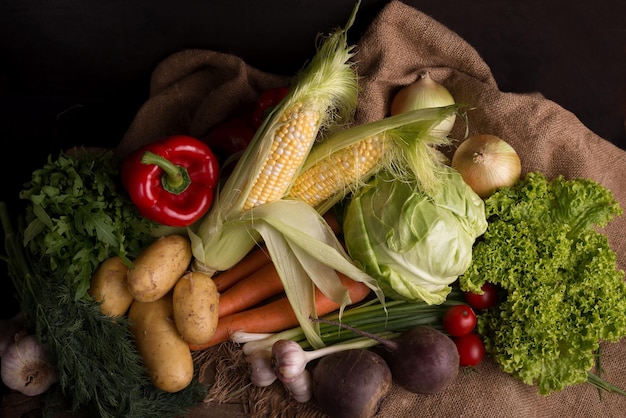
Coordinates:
(372, 316)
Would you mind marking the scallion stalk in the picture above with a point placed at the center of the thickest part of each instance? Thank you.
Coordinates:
(371, 316)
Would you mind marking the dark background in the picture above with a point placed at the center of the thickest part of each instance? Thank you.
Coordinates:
(75, 72)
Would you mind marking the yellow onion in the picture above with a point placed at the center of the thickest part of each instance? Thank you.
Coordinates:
(486, 163)
(424, 93)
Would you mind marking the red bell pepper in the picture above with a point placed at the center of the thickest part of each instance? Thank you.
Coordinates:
(266, 102)
(230, 136)
(172, 181)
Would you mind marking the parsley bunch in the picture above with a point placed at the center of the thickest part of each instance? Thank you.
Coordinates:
(564, 291)
(77, 217)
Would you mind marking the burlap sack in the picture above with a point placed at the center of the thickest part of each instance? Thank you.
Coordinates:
(193, 89)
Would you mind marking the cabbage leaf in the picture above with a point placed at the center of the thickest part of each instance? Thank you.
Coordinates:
(415, 244)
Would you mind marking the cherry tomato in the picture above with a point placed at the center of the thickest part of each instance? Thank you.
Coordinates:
(459, 320)
(486, 300)
(266, 102)
(471, 349)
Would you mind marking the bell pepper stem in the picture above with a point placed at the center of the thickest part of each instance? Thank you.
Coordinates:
(176, 178)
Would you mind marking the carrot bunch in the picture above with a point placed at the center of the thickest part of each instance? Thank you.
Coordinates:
(252, 298)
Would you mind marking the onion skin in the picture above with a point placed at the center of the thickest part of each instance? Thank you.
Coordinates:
(25, 367)
(424, 93)
(486, 163)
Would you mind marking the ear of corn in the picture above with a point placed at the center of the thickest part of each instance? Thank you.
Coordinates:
(291, 143)
(341, 163)
(324, 92)
(339, 173)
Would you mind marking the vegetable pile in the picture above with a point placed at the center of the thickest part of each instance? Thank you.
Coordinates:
(96, 364)
(326, 248)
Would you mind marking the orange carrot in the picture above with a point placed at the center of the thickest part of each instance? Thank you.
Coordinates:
(255, 259)
(277, 315)
(249, 291)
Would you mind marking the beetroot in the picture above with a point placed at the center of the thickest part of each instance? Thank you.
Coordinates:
(351, 383)
(423, 360)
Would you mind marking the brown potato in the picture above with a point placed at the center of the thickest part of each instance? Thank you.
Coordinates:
(165, 354)
(108, 287)
(196, 303)
(158, 267)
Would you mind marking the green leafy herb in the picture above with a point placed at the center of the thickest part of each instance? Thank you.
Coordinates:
(564, 291)
(99, 369)
(77, 218)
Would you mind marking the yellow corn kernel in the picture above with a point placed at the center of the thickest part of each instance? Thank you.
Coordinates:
(291, 144)
(340, 171)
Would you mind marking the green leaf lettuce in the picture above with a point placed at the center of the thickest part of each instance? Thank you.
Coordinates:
(564, 292)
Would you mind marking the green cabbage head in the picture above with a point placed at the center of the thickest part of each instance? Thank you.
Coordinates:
(414, 244)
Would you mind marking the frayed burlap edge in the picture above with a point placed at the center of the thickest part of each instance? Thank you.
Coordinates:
(223, 368)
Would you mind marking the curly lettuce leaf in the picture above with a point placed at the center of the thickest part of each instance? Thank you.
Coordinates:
(564, 292)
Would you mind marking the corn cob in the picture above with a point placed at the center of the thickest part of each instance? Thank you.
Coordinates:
(324, 92)
(340, 172)
(342, 162)
(292, 142)
(251, 206)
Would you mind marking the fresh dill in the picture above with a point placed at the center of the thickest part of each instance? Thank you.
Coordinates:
(100, 372)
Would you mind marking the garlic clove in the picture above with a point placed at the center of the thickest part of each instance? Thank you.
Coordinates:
(288, 360)
(301, 388)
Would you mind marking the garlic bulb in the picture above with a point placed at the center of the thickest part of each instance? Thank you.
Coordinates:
(288, 360)
(422, 94)
(301, 388)
(261, 371)
(25, 367)
(486, 163)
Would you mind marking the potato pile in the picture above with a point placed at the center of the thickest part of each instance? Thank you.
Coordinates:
(168, 307)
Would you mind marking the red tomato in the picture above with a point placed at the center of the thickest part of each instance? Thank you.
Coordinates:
(486, 300)
(266, 102)
(459, 320)
(471, 349)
